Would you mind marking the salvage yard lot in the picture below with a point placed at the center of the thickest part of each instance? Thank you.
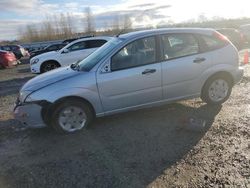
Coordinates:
(153, 147)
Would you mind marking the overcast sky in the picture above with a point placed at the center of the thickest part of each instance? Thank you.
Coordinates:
(15, 14)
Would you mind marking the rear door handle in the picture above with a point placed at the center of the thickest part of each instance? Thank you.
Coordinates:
(199, 60)
(149, 71)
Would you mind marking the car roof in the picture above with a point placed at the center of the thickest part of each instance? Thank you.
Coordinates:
(226, 29)
(92, 38)
(72, 39)
(245, 25)
(88, 39)
(165, 31)
(13, 45)
(55, 44)
(3, 51)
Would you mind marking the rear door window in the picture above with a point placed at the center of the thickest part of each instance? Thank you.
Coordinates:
(54, 47)
(78, 46)
(95, 43)
(179, 45)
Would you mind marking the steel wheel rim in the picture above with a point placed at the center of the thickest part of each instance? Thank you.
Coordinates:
(72, 118)
(49, 67)
(218, 90)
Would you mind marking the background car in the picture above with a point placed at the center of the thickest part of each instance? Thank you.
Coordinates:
(18, 50)
(7, 59)
(52, 47)
(245, 29)
(234, 35)
(67, 41)
(71, 53)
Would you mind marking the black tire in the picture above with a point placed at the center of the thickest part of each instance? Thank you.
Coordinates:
(205, 90)
(1, 66)
(48, 66)
(18, 56)
(58, 109)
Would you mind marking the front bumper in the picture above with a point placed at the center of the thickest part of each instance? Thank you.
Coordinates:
(29, 115)
(10, 63)
(14, 63)
(35, 69)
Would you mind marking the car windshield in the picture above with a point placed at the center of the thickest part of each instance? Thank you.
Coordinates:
(88, 63)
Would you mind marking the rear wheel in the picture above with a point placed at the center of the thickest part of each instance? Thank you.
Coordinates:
(71, 116)
(1, 66)
(217, 90)
(48, 66)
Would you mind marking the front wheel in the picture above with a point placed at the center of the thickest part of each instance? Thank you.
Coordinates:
(48, 66)
(216, 90)
(71, 116)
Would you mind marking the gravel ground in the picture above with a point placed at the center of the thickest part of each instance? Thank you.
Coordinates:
(147, 148)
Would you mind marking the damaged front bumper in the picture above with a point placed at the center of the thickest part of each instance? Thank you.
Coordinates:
(29, 114)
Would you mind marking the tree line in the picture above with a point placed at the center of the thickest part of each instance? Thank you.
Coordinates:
(63, 26)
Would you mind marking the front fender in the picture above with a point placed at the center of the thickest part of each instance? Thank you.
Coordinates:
(90, 95)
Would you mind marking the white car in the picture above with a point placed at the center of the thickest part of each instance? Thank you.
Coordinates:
(71, 53)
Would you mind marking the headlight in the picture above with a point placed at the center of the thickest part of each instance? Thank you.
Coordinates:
(34, 61)
(23, 95)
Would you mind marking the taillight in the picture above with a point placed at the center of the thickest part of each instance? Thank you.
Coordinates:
(241, 36)
(246, 58)
(10, 56)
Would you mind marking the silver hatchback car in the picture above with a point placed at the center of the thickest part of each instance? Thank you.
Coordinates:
(132, 71)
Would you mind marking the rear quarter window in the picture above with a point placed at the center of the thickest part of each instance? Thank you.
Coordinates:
(210, 43)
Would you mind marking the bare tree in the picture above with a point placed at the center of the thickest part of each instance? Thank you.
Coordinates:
(70, 24)
(121, 23)
(30, 33)
(89, 21)
(202, 18)
(116, 26)
(126, 22)
(48, 31)
(51, 28)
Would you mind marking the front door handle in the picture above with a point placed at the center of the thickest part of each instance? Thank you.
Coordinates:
(199, 60)
(149, 71)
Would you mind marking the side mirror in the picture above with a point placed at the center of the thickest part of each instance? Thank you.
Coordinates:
(65, 51)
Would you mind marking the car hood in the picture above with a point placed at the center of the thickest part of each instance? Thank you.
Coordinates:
(49, 78)
(46, 55)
